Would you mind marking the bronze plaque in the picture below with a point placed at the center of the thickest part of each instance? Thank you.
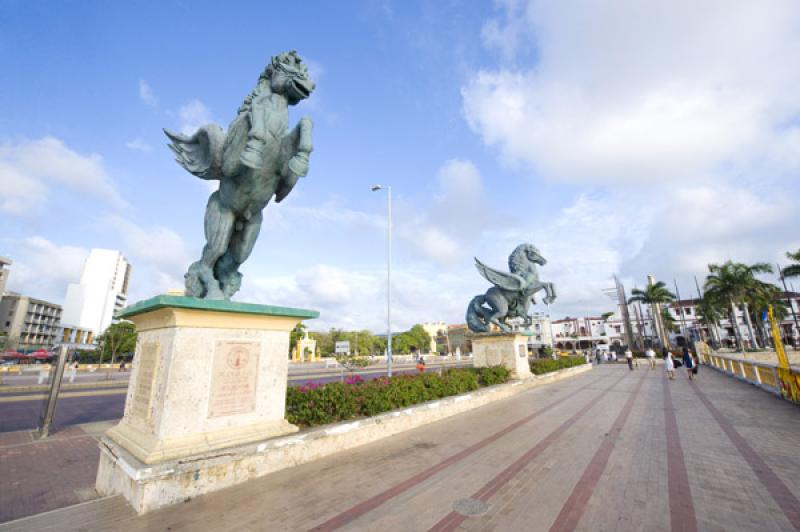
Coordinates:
(142, 399)
(233, 378)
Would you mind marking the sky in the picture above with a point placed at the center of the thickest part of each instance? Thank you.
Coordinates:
(629, 137)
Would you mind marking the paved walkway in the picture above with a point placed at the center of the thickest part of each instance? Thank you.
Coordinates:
(608, 450)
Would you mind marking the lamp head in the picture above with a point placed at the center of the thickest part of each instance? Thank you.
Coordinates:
(376, 188)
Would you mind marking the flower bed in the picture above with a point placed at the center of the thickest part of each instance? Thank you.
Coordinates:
(314, 404)
(546, 365)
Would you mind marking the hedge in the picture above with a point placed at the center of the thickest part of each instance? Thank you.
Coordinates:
(320, 404)
(539, 366)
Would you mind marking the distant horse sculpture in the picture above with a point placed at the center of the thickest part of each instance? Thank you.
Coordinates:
(258, 158)
(512, 293)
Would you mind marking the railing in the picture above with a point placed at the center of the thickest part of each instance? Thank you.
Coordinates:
(784, 382)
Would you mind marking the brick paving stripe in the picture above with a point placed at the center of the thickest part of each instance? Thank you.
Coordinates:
(453, 520)
(370, 504)
(681, 508)
(788, 503)
(573, 509)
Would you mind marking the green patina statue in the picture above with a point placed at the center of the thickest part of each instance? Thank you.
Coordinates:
(512, 293)
(256, 159)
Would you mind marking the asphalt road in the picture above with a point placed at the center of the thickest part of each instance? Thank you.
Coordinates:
(21, 411)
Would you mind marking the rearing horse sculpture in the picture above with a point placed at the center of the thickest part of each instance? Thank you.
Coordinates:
(512, 293)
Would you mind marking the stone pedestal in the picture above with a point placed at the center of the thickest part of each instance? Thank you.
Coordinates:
(207, 376)
(502, 349)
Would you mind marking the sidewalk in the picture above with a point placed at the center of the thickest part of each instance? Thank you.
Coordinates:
(37, 476)
(611, 449)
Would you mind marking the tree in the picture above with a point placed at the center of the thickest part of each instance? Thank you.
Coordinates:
(118, 338)
(793, 270)
(710, 314)
(606, 315)
(731, 283)
(655, 295)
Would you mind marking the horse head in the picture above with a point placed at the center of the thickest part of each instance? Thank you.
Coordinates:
(524, 257)
(286, 74)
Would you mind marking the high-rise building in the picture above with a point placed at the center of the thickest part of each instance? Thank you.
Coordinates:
(29, 322)
(102, 291)
(4, 271)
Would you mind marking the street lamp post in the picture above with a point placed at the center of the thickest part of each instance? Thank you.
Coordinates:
(375, 188)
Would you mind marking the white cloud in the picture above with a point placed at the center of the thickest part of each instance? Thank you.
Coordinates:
(42, 268)
(193, 115)
(682, 117)
(634, 94)
(29, 169)
(146, 94)
(138, 145)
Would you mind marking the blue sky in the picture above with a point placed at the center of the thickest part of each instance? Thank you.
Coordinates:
(633, 139)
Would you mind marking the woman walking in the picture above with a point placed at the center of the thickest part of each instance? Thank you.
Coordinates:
(688, 361)
(669, 366)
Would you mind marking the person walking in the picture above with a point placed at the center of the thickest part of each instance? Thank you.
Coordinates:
(629, 358)
(73, 371)
(651, 357)
(688, 361)
(669, 366)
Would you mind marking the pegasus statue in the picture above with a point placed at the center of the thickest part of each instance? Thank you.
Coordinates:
(258, 158)
(512, 293)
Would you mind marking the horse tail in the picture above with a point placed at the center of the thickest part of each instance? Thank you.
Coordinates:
(475, 320)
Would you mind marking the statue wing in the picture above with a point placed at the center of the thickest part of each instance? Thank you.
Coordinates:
(506, 281)
(201, 153)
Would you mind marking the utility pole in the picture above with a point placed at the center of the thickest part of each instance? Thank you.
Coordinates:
(680, 308)
(789, 299)
(49, 411)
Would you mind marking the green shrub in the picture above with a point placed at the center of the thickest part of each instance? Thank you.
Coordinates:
(492, 375)
(541, 366)
(314, 404)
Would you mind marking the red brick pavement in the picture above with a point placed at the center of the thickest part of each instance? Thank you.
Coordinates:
(782, 495)
(573, 509)
(454, 519)
(681, 507)
(360, 509)
(37, 476)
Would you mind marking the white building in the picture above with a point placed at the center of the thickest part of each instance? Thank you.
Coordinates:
(102, 291)
(539, 331)
(434, 329)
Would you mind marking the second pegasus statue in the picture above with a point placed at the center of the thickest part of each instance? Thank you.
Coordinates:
(512, 293)
(258, 158)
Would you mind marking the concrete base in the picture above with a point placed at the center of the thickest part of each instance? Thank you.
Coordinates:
(502, 349)
(207, 376)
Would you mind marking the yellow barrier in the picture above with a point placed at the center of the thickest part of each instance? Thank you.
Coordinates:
(767, 377)
(749, 373)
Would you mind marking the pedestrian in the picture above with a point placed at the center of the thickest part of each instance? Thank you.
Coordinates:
(586, 357)
(42, 375)
(613, 356)
(629, 358)
(122, 366)
(73, 371)
(421, 365)
(605, 356)
(651, 357)
(669, 365)
(688, 361)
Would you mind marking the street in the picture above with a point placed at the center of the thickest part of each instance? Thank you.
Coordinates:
(20, 409)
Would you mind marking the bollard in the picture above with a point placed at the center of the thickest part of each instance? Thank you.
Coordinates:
(49, 411)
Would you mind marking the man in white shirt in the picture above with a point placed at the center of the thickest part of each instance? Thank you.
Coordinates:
(651, 357)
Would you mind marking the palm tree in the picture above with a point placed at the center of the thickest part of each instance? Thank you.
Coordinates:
(710, 314)
(793, 270)
(655, 295)
(730, 284)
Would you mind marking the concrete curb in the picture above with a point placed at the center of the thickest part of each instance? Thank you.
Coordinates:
(151, 486)
(64, 387)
